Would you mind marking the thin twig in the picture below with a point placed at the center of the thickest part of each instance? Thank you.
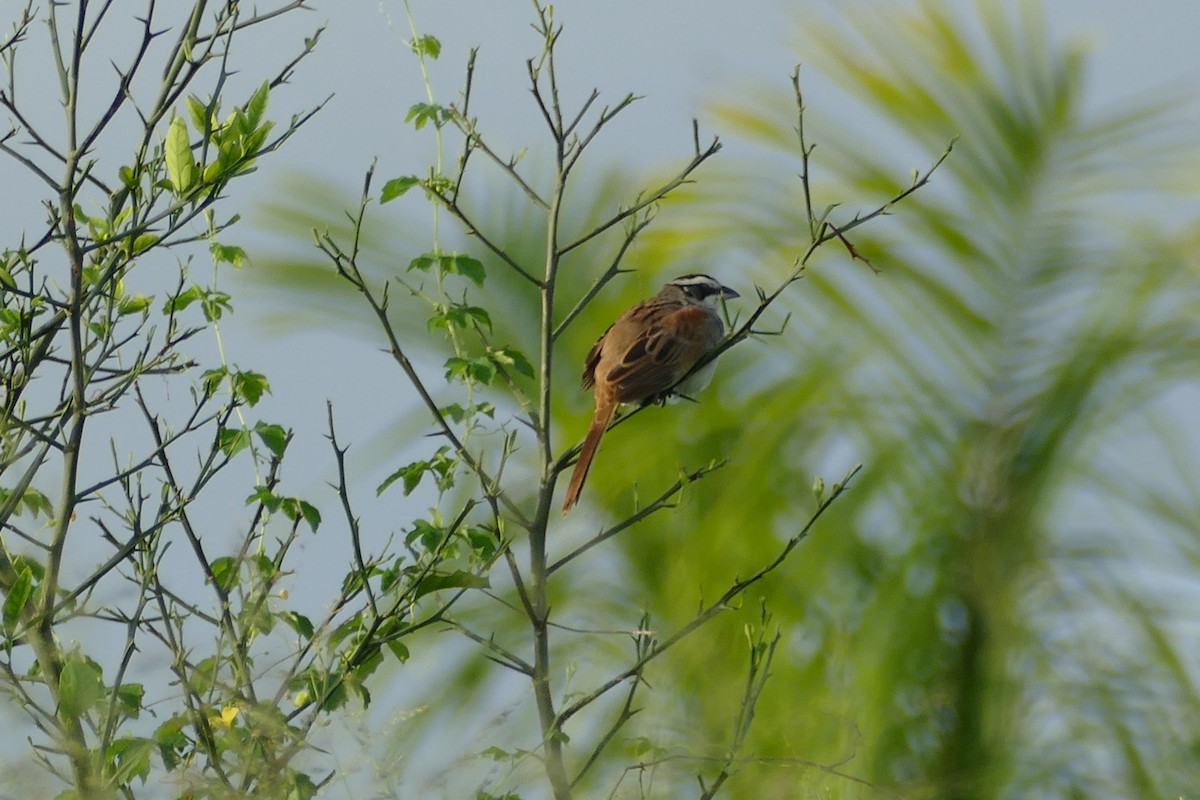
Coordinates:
(708, 612)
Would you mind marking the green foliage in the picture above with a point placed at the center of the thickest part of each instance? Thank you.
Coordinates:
(450, 264)
(32, 501)
(427, 45)
(273, 436)
(107, 408)
(442, 467)
(293, 508)
(214, 303)
(80, 685)
(461, 316)
(397, 187)
(237, 140)
(129, 758)
(16, 599)
(1001, 377)
(434, 186)
(421, 114)
(181, 165)
(248, 387)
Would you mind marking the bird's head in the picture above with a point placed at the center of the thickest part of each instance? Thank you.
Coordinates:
(703, 289)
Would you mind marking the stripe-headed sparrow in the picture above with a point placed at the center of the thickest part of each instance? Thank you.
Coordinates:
(644, 355)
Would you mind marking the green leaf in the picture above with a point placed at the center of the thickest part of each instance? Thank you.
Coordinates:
(80, 685)
(90, 275)
(421, 114)
(181, 166)
(292, 509)
(256, 107)
(134, 305)
(303, 787)
(451, 264)
(457, 413)
(398, 650)
(198, 110)
(131, 759)
(37, 503)
(468, 267)
(311, 514)
(427, 46)
(214, 171)
(228, 254)
(20, 562)
(298, 622)
(129, 698)
(17, 598)
(265, 566)
(411, 473)
(239, 127)
(178, 302)
(273, 436)
(212, 379)
(397, 186)
(459, 316)
(229, 156)
(443, 463)
(143, 242)
(513, 358)
(225, 572)
(328, 689)
(430, 535)
(458, 579)
(454, 411)
(171, 741)
(250, 386)
(233, 440)
(215, 304)
(481, 370)
(253, 143)
(128, 177)
(482, 542)
(348, 628)
(269, 500)
(423, 262)
(204, 675)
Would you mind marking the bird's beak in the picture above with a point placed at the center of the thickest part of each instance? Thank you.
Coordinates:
(727, 293)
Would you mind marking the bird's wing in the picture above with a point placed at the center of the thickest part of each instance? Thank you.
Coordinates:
(663, 353)
(588, 379)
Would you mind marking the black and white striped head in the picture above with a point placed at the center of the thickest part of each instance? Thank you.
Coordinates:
(703, 289)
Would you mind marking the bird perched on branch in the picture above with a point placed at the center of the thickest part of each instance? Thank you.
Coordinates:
(646, 353)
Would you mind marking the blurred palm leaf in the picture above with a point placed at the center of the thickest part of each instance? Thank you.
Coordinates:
(1002, 612)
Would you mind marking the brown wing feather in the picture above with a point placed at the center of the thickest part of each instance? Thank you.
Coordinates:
(588, 379)
(661, 355)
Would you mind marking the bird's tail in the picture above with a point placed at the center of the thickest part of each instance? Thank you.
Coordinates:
(591, 443)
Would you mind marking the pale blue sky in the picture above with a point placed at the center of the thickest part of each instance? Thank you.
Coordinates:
(678, 53)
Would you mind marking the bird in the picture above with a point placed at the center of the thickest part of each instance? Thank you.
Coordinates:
(644, 356)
